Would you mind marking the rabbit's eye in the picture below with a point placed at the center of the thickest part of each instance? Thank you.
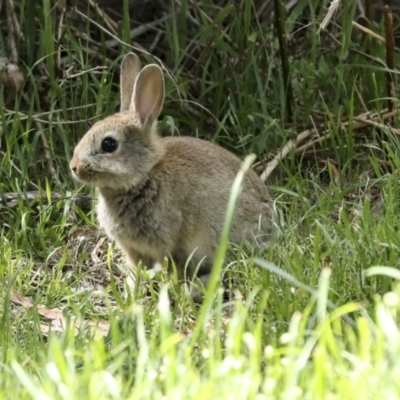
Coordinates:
(109, 145)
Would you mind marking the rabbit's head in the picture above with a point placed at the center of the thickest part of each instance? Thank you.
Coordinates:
(119, 151)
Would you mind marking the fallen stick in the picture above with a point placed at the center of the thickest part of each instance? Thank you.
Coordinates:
(284, 152)
(377, 125)
(308, 145)
(10, 200)
(365, 119)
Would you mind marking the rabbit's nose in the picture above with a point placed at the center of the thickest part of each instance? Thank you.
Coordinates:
(73, 165)
(75, 170)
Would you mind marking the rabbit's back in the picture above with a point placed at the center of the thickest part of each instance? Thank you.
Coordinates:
(200, 176)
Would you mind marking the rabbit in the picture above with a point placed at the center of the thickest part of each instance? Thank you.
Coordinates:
(165, 197)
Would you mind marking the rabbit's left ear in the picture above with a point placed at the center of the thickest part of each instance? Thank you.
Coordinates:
(130, 69)
(148, 94)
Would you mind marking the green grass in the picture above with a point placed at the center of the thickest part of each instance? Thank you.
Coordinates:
(308, 318)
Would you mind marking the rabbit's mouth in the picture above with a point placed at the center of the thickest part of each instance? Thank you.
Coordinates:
(101, 180)
(84, 176)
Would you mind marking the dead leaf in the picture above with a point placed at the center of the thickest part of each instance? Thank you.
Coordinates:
(20, 300)
(58, 322)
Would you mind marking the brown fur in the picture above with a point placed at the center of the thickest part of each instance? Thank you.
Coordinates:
(165, 197)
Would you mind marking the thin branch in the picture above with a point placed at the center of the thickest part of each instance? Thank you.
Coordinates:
(309, 145)
(91, 70)
(331, 10)
(377, 125)
(43, 114)
(10, 200)
(369, 32)
(284, 152)
(365, 119)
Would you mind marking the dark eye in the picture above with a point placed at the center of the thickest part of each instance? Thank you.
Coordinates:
(109, 145)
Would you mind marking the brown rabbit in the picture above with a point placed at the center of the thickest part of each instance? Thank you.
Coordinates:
(164, 196)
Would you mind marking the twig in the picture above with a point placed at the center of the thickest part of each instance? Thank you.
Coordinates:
(10, 200)
(331, 10)
(307, 146)
(284, 152)
(368, 32)
(91, 70)
(303, 125)
(389, 56)
(377, 125)
(43, 114)
(74, 122)
(374, 117)
(365, 119)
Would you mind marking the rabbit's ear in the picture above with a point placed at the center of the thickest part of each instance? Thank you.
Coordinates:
(148, 94)
(130, 69)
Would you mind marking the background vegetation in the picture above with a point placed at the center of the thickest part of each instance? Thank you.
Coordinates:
(310, 318)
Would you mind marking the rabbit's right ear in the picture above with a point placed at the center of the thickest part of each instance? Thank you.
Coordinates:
(130, 69)
(148, 94)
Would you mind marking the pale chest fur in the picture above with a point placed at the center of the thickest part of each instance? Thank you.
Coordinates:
(106, 221)
(137, 219)
(123, 232)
